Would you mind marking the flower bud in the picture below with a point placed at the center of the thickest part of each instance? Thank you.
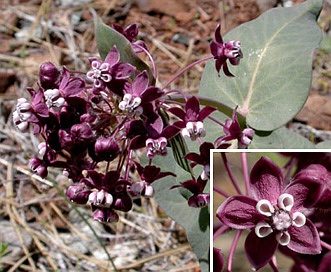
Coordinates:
(42, 148)
(38, 167)
(78, 193)
(123, 203)
(48, 75)
(106, 149)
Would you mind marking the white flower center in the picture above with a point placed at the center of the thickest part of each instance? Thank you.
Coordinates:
(279, 218)
(99, 72)
(54, 99)
(100, 199)
(131, 105)
(194, 130)
(156, 147)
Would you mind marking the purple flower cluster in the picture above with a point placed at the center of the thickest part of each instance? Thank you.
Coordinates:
(280, 213)
(93, 123)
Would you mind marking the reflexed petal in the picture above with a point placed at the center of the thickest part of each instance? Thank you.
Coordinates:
(140, 83)
(239, 212)
(266, 180)
(286, 202)
(113, 57)
(259, 251)
(192, 108)
(218, 36)
(205, 112)
(264, 207)
(305, 239)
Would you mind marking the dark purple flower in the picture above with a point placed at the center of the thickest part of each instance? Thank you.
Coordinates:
(78, 193)
(131, 32)
(202, 159)
(275, 214)
(233, 131)
(79, 136)
(39, 167)
(192, 118)
(137, 94)
(108, 191)
(105, 215)
(104, 72)
(22, 114)
(157, 145)
(196, 187)
(225, 51)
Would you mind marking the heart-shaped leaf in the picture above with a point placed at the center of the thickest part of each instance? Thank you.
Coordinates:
(281, 138)
(273, 79)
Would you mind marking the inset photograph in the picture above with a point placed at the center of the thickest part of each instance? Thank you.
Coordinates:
(271, 211)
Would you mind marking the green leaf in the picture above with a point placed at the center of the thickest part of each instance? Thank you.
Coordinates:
(273, 79)
(195, 221)
(107, 37)
(281, 138)
(324, 145)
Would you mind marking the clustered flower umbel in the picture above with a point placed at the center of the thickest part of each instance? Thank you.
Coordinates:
(106, 115)
(290, 216)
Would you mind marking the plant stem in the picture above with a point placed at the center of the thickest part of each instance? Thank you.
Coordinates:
(245, 172)
(232, 249)
(186, 69)
(221, 192)
(325, 245)
(219, 231)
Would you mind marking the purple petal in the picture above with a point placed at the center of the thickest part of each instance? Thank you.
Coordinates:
(74, 87)
(226, 70)
(205, 112)
(214, 49)
(140, 83)
(65, 78)
(152, 93)
(169, 132)
(266, 180)
(218, 36)
(123, 70)
(195, 158)
(178, 112)
(192, 106)
(41, 110)
(318, 173)
(113, 57)
(259, 251)
(217, 260)
(325, 263)
(131, 32)
(305, 191)
(305, 239)
(239, 212)
(154, 126)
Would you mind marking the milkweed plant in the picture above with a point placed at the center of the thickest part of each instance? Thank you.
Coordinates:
(93, 123)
